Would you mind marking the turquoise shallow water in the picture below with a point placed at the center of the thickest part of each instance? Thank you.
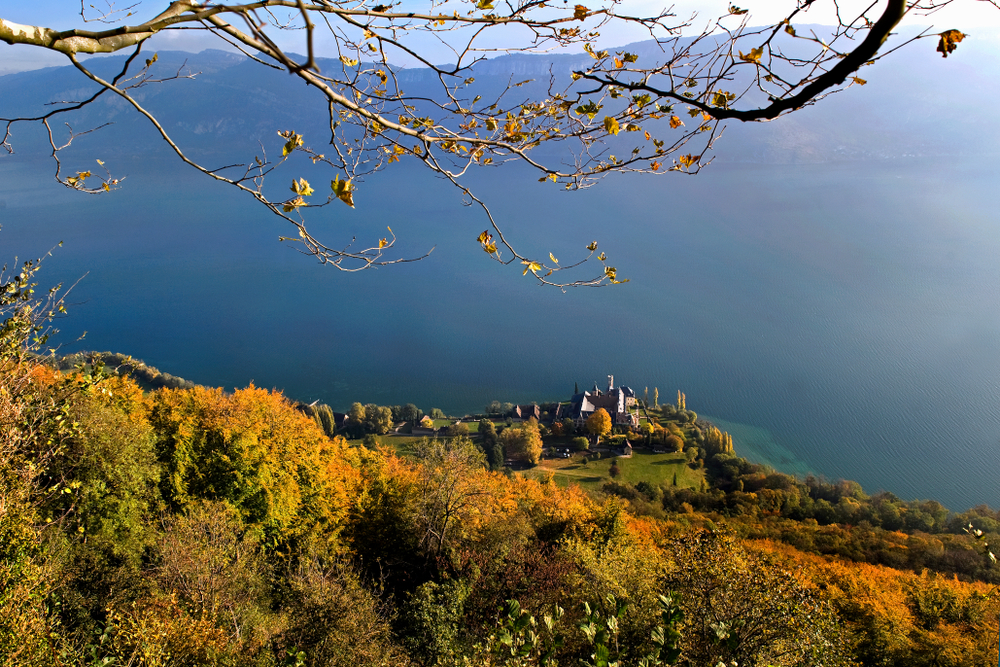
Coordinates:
(841, 319)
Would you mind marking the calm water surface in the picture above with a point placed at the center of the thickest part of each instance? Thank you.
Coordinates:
(840, 319)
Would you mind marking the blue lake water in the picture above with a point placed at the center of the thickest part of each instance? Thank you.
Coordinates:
(837, 318)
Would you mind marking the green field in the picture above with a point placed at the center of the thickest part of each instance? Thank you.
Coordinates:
(657, 469)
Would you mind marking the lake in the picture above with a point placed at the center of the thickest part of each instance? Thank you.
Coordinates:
(836, 318)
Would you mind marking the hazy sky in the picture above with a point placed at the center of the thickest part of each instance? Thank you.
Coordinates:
(967, 15)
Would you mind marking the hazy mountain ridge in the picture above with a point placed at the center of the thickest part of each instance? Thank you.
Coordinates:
(915, 104)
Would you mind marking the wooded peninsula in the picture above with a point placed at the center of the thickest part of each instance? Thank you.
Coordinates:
(145, 520)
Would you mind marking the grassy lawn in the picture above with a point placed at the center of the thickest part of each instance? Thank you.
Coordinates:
(657, 469)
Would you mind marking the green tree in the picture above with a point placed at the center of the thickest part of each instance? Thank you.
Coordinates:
(378, 419)
(437, 413)
(410, 413)
(460, 429)
(741, 606)
(357, 413)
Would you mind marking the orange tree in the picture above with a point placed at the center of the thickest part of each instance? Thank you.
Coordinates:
(599, 423)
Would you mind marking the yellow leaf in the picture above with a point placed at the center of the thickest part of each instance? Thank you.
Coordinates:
(107, 188)
(580, 12)
(611, 125)
(619, 62)
(301, 187)
(343, 190)
(491, 124)
(592, 247)
(858, 80)
(534, 267)
(688, 160)
(293, 204)
(100, 163)
(292, 141)
(675, 122)
(484, 237)
(350, 62)
(949, 42)
(553, 258)
(490, 248)
(754, 55)
(790, 30)
(647, 136)
(382, 243)
(655, 166)
(737, 11)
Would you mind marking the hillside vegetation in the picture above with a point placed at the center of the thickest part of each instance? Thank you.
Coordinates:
(190, 526)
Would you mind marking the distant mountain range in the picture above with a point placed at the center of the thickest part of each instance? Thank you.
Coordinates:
(914, 104)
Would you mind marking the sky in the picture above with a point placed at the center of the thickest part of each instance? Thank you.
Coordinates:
(966, 15)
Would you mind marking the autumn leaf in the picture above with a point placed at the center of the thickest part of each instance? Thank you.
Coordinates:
(655, 166)
(580, 12)
(293, 204)
(484, 237)
(553, 258)
(350, 62)
(858, 80)
(590, 109)
(611, 125)
(675, 122)
(343, 190)
(790, 30)
(736, 11)
(301, 187)
(592, 247)
(293, 140)
(382, 243)
(534, 267)
(484, 4)
(754, 55)
(949, 42)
